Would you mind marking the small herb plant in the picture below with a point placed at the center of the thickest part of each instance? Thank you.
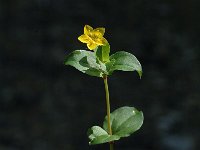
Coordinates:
(99, 63)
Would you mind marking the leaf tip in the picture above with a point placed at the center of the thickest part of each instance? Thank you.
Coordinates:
(140, 73)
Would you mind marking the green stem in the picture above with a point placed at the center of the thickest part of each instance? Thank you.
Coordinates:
(108, 109)
(111, 145)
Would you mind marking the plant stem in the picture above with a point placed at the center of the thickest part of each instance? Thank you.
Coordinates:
(108, 109)
(111, 145)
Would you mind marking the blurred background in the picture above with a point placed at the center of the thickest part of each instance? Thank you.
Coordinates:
(45, 105)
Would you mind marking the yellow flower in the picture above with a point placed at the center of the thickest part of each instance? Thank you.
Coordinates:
(93, 37)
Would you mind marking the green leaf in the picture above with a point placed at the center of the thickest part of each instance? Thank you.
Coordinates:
(97, 135)
(124, 61)
(124, 121)
(86, 62)
(102, 53)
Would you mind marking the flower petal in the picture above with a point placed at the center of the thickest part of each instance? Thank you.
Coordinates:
(101, 41)
(87, 29)
(96, 34)
(101, 30)
(92, 45)
(104, 41)
(93, 37)
(84, 38)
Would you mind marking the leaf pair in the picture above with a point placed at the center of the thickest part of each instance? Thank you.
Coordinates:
(99, 63)
(124, 122)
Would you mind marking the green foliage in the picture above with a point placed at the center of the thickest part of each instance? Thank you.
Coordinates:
(124, 61)
(99, 63)
(102, 53)
(97, 135)
(86, 62)
(124, 121)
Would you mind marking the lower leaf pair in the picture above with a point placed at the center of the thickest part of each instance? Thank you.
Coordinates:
(124, 121)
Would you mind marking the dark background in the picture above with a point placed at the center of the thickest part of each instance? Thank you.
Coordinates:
(45, 105)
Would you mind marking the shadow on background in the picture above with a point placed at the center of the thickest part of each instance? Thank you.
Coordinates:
(45, 105)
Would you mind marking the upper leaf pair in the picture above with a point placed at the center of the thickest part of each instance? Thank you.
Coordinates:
(87, 62)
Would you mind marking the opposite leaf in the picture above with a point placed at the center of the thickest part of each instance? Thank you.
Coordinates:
(97, 135)
(124, 61)
(124, 121)
(86, 62)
